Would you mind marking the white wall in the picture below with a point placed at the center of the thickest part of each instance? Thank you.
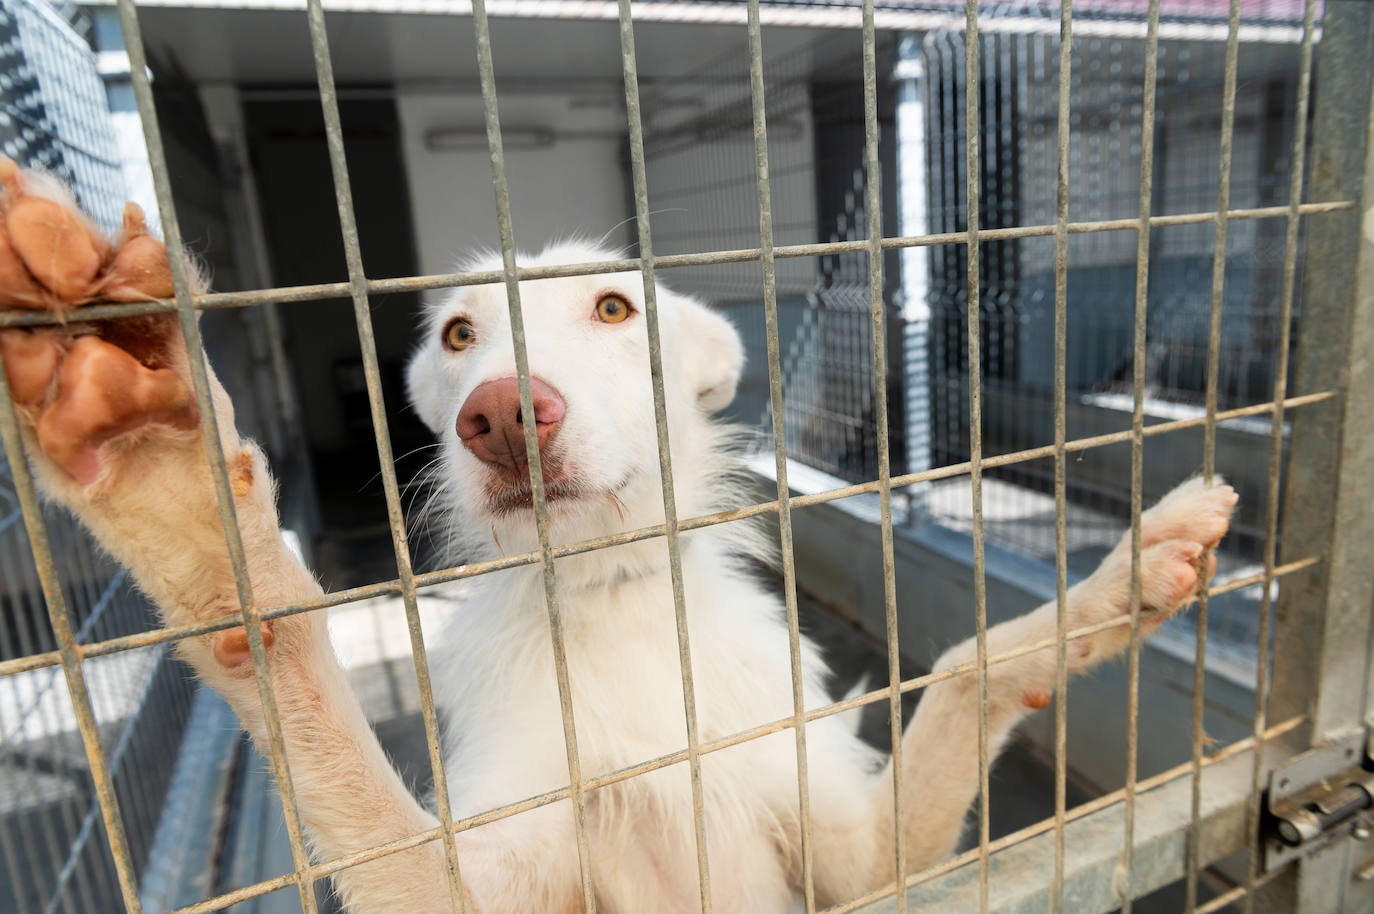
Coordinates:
(575, 186)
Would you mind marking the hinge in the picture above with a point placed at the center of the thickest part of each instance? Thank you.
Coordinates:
(1318, 797)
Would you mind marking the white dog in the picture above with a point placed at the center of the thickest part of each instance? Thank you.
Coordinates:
(111, 432)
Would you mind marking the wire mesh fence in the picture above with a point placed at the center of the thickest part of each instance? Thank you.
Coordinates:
(1000, 256)
(54, 115)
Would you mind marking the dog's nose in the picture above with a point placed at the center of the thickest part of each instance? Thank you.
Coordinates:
(489, 423)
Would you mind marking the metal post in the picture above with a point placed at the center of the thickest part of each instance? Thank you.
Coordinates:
(1323, 615)
(1322, 621)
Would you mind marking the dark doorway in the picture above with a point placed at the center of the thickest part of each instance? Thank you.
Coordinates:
(305, 245)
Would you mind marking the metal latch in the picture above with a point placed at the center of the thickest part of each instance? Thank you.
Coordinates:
(1316, 798)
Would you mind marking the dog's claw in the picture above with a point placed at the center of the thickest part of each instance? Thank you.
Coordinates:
(81, 385)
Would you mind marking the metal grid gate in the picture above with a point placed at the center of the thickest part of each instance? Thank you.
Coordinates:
(1320, 678)
(53, 113)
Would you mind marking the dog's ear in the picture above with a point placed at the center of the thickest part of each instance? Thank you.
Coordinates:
(424, 384)
(713, 352)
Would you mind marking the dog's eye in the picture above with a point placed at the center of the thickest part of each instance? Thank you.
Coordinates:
(612, 309)
(459, 335)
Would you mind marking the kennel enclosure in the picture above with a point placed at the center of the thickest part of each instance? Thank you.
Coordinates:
(1308, 234)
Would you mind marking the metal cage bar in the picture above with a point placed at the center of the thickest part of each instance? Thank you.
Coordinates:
(1061, 409)
(759, 114)
(1271, 533)
(541, 508)
(367, 344)
(68, 654)
(975, 407)
(1142, 273)
(1329, 605)
(1322, 617)
(873, 206)
(209, 427)
(1209, 443)
(460, 572)
(428, 282)
(665, 461)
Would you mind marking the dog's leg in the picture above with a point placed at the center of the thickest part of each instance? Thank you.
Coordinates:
(940, 747)
(112, 433)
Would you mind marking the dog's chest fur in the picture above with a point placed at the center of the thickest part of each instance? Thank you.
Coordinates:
(499, 694)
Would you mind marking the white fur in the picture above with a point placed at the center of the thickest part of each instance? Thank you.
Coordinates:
(493, 671)
(504, 738)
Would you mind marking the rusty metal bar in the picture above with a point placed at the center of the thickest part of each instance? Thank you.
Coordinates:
(1142, 276)
(941, 676)
(343, 290)
(209, 429)
(1235, 894)
(665, 461)
(758, 104)
(975, 401)
(1297, 164)
(1061, 409)
(1209, 444)
(444, 576)
(367, 344)
(874, 207)
(491, 117)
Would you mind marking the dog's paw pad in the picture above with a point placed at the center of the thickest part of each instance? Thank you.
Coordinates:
(31, 360)
(80, 385)
(18, 288)
(82, 392)
(139, 269)
(51, 245)
(1171, 573)
(231, 646)
(53, 257)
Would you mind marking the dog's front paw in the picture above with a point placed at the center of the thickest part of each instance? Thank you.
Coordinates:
(81, 385)
(1176, 536)
(1193, 511)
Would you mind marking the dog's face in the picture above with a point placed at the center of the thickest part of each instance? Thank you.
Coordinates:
(587, 342)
